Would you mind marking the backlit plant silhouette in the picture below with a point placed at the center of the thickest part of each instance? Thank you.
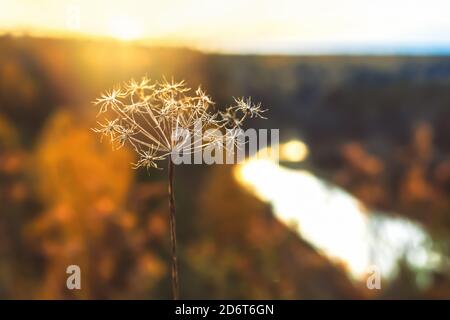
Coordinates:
(149, 116)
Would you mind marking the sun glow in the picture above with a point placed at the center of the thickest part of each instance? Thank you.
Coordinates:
(125, 28)
(293, 151)
(267, 26)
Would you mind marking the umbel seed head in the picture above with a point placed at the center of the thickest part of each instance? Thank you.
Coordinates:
(148, 115)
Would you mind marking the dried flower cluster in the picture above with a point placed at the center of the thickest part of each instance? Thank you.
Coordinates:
(149, 115)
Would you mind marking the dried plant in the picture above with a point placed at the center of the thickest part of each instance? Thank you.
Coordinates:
(149, 117)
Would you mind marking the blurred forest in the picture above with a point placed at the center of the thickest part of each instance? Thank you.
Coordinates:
(377, 126)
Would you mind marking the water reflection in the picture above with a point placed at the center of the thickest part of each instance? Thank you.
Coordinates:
(334, 221)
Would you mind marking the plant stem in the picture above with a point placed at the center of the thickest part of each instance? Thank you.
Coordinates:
(173, 235)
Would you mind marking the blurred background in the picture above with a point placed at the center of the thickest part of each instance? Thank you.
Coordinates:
(359, 90)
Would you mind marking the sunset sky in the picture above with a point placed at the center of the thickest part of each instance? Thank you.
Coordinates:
(257, 26)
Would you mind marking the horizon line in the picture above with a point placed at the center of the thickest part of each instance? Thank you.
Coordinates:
(319, 49)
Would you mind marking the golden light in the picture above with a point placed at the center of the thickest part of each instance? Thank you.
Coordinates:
(294, 151)
(125, 28)
(296, 26)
